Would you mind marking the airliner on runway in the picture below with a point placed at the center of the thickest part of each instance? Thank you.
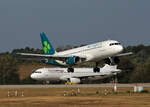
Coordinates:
(80, 74)
(108, 50)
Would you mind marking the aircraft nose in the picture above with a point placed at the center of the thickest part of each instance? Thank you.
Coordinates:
(120, 48)
(32, 76)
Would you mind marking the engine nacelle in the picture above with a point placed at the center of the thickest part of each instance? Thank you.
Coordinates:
(112, 60)
(75, 80)
(44, 60)
(116, 60)
(73, 60)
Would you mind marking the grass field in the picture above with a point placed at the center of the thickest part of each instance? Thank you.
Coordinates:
(88, 97)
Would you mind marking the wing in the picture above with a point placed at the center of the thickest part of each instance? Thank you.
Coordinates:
(41, 56)
(124, 54)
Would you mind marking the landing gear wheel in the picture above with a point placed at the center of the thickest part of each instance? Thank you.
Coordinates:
(96, 69)
(70, 70)
(107, 61)
(116, 60)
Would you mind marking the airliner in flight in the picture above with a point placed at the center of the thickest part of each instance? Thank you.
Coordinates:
(78, 76)
(108, 50)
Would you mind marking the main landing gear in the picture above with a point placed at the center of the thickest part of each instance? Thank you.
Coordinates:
(70, 70)
(96, 69)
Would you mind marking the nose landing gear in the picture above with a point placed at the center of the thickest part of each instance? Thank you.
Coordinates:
(96, 69)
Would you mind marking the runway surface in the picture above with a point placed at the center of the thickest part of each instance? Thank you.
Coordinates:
(146, 85)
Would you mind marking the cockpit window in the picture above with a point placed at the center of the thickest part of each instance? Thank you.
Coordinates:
(114, 44)
(37, 72)
(33, 71)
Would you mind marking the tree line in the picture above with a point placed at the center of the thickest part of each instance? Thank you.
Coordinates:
(136, 67)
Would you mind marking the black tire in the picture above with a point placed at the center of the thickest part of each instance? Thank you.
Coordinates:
(71, 70)
(96, 69)
(116, 60)
(107, 61)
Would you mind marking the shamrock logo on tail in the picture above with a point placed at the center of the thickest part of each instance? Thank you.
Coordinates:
(46, 47)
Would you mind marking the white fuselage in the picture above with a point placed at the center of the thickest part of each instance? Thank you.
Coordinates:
(56, 74)
(89, 53)
(95, 52)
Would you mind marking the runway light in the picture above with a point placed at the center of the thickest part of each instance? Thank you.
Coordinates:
(8, 93)
(65, 93)
(22, 94)
(16, 93)
(78, 90)
(105, 92)
(135, 88)
(115, 87)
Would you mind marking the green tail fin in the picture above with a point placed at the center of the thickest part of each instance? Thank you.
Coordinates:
(47, 47)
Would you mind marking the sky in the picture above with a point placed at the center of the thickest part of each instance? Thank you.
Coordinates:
(73, 22)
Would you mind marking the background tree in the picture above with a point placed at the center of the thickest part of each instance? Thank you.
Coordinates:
(8, 70)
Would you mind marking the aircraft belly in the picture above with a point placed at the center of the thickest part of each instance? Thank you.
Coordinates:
(99, 77)
(102, 54)
(95, 78)
(52, 77)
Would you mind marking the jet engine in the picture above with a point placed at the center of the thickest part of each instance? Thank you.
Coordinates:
(116, 60)
(73, 60)
(112, 60)
(44, 60)
(75, 80)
